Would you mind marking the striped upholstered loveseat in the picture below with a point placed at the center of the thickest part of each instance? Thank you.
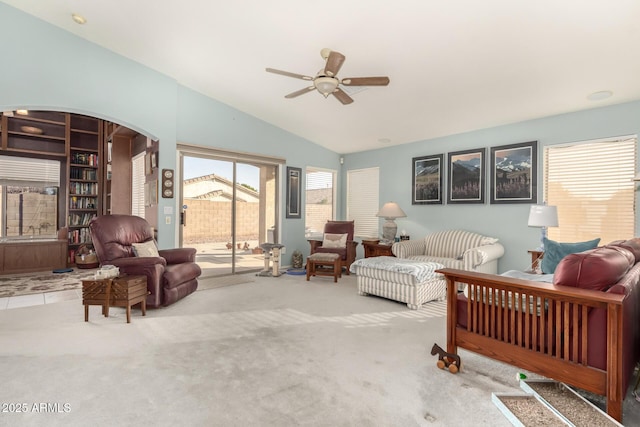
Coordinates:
(460, 249)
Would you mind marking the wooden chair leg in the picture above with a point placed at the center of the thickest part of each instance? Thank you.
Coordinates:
(310, 266)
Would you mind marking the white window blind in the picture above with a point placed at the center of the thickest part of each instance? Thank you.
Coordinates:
(363, 201)
(592, 185)
(137, 185)
(319, 199)
(29, 172)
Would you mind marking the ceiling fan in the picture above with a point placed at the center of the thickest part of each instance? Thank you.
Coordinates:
(326, 81)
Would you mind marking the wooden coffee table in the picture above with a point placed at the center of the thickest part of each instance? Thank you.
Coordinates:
(123, 291)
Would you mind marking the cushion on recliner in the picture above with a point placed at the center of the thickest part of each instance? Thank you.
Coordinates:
(334, 240)
(595, 269)
(555, 251)
(146, 249)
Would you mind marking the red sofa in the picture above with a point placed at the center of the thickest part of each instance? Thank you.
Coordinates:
(582, 330)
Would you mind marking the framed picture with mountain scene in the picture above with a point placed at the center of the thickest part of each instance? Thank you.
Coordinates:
(466, 175)
(427, 180)
(514, 173)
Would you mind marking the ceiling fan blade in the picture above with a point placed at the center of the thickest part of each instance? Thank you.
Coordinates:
(300, 92)
(288, 74)
(365, 81)
(334, 62)
(342, 96)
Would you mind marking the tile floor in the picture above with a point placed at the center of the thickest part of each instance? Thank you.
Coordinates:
(213, 258)
(39, 299)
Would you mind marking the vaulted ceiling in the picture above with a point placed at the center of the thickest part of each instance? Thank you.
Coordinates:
(454, 65)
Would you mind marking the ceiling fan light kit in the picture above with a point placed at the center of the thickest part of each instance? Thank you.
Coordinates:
(326, 85)
(326, 81)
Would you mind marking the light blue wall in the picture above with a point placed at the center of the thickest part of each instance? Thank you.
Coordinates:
(204, 121)
(44, 67)
(508, 222)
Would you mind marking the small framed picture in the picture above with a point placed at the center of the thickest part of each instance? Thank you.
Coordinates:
(514, 173)
(294, 182)
(466, 176)
(427, 180)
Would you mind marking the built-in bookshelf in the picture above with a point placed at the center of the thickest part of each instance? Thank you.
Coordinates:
(85, 141)
(76, 141)
(95, 161)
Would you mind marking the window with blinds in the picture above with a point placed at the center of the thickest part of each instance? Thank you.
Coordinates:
(319, 199)
(29, 190)
(592, 185)
(363, 201)
(137, 185)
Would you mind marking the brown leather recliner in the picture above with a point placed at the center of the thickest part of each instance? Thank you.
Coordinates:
(171, 276)
(348, 253)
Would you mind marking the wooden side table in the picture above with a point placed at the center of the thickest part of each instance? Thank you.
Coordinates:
(536, 258)
(123, 291)
(373, 248)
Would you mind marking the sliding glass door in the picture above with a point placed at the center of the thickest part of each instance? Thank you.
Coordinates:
(229, 207)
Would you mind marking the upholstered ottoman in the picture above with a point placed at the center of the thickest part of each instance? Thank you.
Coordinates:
(317, 265)
(400, 279)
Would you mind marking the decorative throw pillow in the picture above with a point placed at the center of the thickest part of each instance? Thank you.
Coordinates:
(334, 240)
(146, 249)
(554, 252)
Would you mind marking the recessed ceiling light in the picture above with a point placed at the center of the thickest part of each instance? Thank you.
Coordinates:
(22, 112)
(598, 96)
(78, 19)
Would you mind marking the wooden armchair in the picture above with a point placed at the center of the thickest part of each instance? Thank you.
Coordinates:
(347, 252)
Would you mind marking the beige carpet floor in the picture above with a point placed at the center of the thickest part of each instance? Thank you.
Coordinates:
(271, 352)
(222, 281)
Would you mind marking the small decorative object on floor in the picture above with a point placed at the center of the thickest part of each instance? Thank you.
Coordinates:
(296, 259)
(296, 264)
(446, 360)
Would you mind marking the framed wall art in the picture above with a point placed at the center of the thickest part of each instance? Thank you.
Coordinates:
(427, 180)
(294, 192)
(514, 173)
(466, 176)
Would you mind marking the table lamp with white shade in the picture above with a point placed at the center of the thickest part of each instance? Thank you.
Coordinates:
(543, 216)
(390, 211)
